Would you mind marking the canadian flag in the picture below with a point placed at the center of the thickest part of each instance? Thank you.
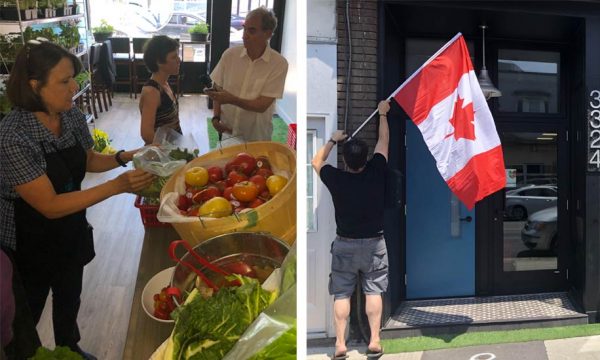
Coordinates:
(444, 100)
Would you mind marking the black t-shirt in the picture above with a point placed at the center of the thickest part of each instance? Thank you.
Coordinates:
(358, 198)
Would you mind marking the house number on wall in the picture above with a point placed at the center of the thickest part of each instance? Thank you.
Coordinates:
(594, 132)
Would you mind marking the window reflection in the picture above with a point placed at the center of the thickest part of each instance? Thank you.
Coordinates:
(530, 213)
(529, 81)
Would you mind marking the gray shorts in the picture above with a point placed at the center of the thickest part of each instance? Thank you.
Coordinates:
(349, 257)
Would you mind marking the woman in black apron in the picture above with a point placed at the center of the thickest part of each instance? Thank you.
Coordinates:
(45, 151)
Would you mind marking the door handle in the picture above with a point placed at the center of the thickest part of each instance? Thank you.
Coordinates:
(467, 219)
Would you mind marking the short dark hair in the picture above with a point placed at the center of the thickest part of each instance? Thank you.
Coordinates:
(34, 62)
(157, 49)
(268, 20)
(355, 153)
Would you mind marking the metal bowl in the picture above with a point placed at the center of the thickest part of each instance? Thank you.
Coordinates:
(255, 249)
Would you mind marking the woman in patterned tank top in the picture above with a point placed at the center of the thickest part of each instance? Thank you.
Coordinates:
(158, 105)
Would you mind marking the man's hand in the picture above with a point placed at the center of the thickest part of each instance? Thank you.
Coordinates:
(221, 127)
(383, 107)
(338, 136)
(222, 96)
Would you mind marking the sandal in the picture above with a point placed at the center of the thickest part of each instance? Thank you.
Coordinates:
(372, 354)
(339, 356)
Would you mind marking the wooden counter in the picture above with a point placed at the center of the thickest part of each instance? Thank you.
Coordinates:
(145, 335)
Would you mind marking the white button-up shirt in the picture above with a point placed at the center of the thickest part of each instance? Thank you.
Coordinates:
(248, 79)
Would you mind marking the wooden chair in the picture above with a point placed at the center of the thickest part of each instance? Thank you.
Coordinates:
(121, 51)
(140, 72)
(99, 86)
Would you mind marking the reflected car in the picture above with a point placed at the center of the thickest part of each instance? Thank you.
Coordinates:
(528, 200)
(178, 24)
(539, 232)
(237, 22)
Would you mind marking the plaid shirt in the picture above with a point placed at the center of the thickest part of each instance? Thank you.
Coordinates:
(23, 142)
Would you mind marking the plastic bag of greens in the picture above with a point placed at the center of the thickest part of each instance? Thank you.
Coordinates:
(156, 161)
(59, 353)
(273, 334)
(180, 147)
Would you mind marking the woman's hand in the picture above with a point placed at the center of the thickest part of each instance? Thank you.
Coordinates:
(133, 180)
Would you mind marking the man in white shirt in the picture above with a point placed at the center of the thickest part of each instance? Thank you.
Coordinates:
(252, 77)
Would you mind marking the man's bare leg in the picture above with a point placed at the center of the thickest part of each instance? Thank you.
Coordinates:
(374, 307)
(341, 310)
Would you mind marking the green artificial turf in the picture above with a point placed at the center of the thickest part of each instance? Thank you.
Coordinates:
(442, 341)
(280, 130)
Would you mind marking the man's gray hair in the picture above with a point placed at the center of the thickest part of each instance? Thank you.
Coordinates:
(268, 19)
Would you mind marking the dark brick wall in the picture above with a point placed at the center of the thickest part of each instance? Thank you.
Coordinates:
(363, 79)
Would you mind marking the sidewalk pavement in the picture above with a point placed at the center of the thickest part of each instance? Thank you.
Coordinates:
(582, 348)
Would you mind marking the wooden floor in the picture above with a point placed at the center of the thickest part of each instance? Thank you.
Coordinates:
(109, 280)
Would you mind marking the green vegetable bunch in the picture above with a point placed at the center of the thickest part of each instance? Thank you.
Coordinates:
(59, 353)
(183, 154)
(206, 329)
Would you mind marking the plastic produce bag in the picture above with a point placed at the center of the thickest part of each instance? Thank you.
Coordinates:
(156, 161)
(273, 334)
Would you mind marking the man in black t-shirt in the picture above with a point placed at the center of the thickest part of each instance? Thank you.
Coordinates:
(359, 247)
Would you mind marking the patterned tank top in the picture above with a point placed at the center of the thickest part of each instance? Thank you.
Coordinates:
(167, 113)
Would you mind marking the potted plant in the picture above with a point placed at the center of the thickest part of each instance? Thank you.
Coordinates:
(103, 32)
(199, 32)
(9, 10)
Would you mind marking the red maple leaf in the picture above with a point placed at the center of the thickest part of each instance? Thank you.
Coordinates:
(463, 121)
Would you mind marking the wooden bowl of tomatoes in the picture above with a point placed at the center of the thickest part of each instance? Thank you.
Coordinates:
(246, 187)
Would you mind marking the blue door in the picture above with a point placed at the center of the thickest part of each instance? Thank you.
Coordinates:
(440, 247)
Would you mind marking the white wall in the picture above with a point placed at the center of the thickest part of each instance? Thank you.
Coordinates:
(321, 97)
(321, 22)
(286, 107)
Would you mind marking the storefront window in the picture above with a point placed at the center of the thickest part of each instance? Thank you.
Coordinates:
(530, 213)
(529, 81)
(420, 50)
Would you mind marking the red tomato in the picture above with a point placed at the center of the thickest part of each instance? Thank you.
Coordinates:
(221, 185)
(206, 194)
(262, 162)
(183, 203)
(228, 192)
(264, 173)
(260, 182)
(265, 195)
(235, 177)
(246, 162)
(245, 191)
(193, 211)
(215, 174)
(256, 203)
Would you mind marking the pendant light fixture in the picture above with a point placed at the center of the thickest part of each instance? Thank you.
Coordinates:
(488, 88)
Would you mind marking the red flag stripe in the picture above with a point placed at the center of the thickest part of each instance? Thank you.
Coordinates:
(435, 81)
(482, 175)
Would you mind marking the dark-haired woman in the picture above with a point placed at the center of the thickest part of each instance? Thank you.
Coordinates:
(45, 151)
(158, 104)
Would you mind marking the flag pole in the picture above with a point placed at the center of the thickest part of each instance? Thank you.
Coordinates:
(406, 82)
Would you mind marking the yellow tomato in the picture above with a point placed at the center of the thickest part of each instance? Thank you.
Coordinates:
(196, 176)
(216, 207)
(275, 183)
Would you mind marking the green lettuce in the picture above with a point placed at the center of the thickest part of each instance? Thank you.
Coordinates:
(59, 353)
(284, 347)
(208, 328)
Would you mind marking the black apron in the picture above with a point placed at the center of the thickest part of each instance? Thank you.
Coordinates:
(43, 242)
